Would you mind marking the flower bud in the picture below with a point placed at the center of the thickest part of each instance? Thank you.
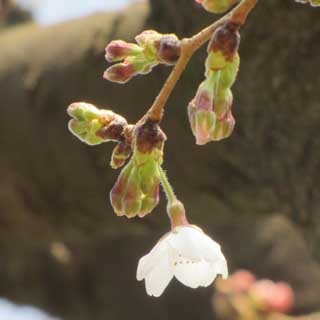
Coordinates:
(217, 6)
(120, 155)
(272, 297)
(132, 66)
(203, 123)
(201, 116)
(229, 73)
(224, 127)
(222, 103)
(136, 192)
(168, 49)
(314, 3)
(242, 280)
(94, 126)
(120, 72)
(147, 40)
(118, 50)
(223, 46)
(162, 48)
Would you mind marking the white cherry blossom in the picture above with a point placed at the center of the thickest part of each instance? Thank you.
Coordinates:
(186, 253)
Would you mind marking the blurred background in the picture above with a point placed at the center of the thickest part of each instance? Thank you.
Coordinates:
(62, 249)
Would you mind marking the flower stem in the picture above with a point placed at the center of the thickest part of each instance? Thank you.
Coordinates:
(167, 187)
(188, 47)
(175, 208)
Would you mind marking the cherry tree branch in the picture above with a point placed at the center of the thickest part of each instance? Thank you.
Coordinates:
(188, 47)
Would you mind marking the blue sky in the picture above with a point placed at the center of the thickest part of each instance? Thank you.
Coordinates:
(52, 11)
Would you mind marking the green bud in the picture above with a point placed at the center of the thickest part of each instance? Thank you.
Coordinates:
(224, 127)
(118, 190)
(132, 198)
(223, 46)
(314, 3)
(217, 6)
(136, 192)
(222, 102)
(147, 40)
(120, 155)
(94, 126)
(229, 74)
(202, 123)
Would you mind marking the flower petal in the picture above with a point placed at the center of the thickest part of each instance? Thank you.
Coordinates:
(153, 258)
(194, 274)
(194, 244)
(158, 279)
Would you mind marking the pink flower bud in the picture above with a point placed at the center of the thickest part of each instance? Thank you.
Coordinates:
(242, 280)
(118, 50)
(202, 122)
(273, 297)
(120, 72)
(224, 127)
(201, 116)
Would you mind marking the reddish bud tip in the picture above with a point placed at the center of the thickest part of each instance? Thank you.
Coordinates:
(120, 72)
(225, 39)
(118, 50)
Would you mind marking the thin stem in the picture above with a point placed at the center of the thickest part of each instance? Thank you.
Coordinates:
(167, 187)
(188, 47)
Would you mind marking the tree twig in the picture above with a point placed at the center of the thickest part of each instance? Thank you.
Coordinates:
(188, 47)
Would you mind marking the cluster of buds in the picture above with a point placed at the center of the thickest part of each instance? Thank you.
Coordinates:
(136, 192)
(210, 111)
(151, 49)
(217, 6)
(314, 3)
(94, 126)
(243, 297)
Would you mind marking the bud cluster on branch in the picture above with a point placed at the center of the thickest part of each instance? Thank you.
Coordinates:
(210, 111)
(152, 48)
(186, 252)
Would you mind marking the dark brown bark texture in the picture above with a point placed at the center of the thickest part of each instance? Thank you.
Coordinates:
(257, 193)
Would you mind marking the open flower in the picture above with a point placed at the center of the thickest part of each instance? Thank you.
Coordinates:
(186, 253)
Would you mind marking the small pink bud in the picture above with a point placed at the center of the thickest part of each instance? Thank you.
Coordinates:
(242, 280)
(120, 72)
(118, 50)
(202, 123)
(273, 297)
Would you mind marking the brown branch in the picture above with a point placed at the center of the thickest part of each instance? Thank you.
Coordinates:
(188, 47)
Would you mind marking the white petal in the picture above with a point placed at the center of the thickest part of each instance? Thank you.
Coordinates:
(158, 279)
(194, 244)
(221, 267)
(152, 259)
(194, 274)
